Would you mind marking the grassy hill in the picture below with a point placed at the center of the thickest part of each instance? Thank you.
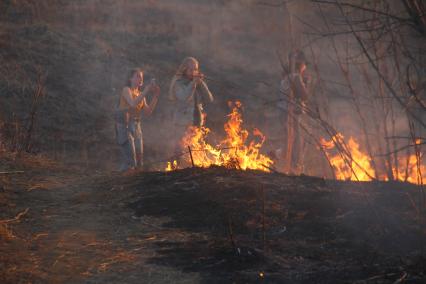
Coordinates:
(83, 50)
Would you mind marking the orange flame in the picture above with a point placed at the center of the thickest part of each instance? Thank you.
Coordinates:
(355, 166)
(171, 166)
(231, 152)
(411, 168)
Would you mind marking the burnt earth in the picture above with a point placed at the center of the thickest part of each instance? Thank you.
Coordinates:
(208, 226)
(314, 231)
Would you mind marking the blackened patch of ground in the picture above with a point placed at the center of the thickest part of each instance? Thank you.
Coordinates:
(294, 229)
(205, 226)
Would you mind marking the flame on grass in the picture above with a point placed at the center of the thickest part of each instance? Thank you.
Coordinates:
(234, 151)
(352, 164)
(171, 166)
(411, 168)
(356, 165)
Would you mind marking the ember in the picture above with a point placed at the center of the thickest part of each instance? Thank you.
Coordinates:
(171, 166)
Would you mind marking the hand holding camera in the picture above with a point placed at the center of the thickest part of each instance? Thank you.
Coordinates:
(198, 77)
(154, 88)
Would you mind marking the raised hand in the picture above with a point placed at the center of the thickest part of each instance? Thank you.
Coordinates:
(147, 89)
(198, 77)
(155, 89)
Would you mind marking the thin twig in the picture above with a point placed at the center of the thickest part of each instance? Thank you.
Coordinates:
(400, 149)
(11, 172)
(192, 159)
(17, 217)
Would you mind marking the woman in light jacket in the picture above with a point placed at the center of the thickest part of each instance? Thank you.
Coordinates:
(188, 91)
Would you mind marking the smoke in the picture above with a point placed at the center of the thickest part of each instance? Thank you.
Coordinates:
(87, 48)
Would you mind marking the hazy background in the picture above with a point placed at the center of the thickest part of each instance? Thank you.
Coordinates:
(86, 48)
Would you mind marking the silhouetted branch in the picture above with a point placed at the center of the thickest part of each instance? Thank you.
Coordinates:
(374, 11)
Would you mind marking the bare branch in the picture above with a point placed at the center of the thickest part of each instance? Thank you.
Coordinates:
(401, 149)
(382, 13)
(375, 67)
(279, 4)
(413, 92)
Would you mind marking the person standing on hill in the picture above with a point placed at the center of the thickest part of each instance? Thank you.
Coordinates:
(294, 86)
(188, 91)
(128, 118)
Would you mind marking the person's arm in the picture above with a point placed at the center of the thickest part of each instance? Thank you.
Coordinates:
(172, 89)
(206, 91)
(149, 108)
(300, 88)
(133, 102)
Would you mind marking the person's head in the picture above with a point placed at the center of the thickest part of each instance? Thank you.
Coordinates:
(188, 68)
(135, 78)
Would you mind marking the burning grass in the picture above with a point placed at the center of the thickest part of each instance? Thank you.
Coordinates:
(237, 151)
(234, 151)
(351, 163)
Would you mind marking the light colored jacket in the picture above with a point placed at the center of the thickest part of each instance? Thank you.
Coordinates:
(189, 101)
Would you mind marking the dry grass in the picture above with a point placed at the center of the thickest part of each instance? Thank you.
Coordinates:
(125, 228)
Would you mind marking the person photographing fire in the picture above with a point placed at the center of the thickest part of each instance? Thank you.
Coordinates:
(294, 86)
(188, 91)
(128, 117)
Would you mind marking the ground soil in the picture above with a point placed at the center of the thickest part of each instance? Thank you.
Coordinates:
(204, 226)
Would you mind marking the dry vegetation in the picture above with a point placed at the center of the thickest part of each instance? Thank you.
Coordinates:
(65, 217)
(208, 225)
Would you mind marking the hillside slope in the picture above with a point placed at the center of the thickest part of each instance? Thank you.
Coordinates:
(208, 226)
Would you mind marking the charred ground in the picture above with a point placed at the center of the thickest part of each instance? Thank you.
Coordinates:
(209, 226)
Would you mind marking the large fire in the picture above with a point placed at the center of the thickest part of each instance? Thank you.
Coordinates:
(232, 152)
(350, 163)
